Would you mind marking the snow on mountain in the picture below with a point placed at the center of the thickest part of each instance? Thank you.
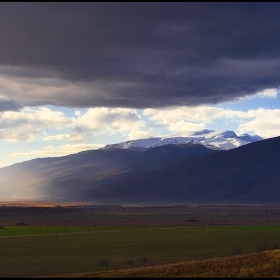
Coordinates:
(136, 144)
(212, 139)
(250, 138)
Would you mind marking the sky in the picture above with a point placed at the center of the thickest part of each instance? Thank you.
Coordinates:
(78, 76)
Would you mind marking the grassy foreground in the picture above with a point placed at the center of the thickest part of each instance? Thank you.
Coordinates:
(255, 265)
(119, 247)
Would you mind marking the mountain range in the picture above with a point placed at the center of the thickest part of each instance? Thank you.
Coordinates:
(212, 139)
(191, 167)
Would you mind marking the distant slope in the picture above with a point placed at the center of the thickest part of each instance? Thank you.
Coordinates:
(250, 173)
(256, 265)
(185, 173)
(43, 178)
(27, 179)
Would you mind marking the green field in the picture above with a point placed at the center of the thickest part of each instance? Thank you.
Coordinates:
(33, 251)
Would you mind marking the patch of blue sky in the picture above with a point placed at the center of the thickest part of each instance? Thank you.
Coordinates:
(252, 103)
(9, 148)
(68, 112)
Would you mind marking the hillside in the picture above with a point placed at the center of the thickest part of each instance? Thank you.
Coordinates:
(248, 174)
(255, 265)
(181, 173)
(43, 178)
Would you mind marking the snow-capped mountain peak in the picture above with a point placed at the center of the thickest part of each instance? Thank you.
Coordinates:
(224, 140)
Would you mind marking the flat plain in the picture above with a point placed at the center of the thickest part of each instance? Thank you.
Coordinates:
(37, 241)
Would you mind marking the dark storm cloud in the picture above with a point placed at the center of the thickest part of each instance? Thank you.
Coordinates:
(159, 54)
(9, 105)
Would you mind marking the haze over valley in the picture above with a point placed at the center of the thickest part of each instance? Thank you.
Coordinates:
(203, 166)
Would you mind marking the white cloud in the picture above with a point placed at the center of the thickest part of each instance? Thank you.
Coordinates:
(182, 125)
(36, 123)
(98, 121)
(138, 134)
(29, 124)
(57, 137)
(264, 122)
(178, 119)
(40, 116)
(268, 93)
